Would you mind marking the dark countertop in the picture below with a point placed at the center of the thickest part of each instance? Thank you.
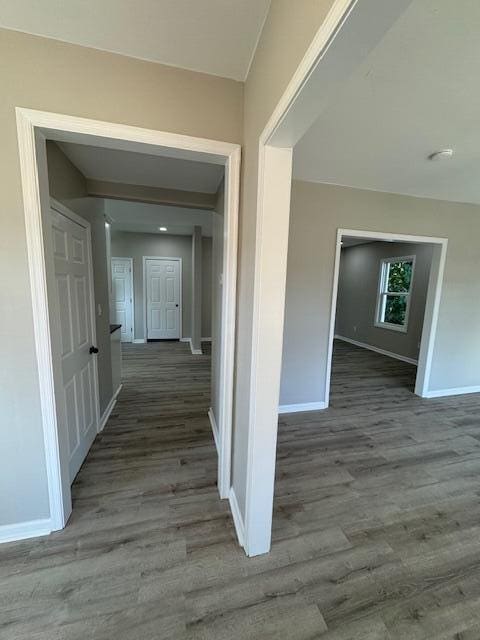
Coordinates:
(114, 327)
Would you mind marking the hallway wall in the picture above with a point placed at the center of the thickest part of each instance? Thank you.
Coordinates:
(317, 211)
(45, 74)
(126, 244)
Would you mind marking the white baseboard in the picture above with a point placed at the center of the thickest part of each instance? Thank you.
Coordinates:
(458, 391)
(383, 352)
(185, 339)
(213, 423)
(109, 409)
(206, 339)
(306, 406)
(23, 530)
(195, 352)
(237, 517)
(139, 341)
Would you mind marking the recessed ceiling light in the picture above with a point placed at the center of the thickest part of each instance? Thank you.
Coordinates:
(162, 228)
(443, 154)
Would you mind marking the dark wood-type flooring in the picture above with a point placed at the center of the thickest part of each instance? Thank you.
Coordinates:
(376, 520)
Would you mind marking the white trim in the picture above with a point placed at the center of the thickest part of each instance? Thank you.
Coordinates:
(180, 315)
(432, 306)
(213, 424)
(24, 530)
(139, 341)
(458, 391)
(109, 409)
(195, 352)
(35, 125)
(298, 408)
(237, 518)
(382, 294)
(370, 347)
(132, 302)
(205, 339)
(296, 110)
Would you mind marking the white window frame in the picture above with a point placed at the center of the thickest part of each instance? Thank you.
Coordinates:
(383, 292)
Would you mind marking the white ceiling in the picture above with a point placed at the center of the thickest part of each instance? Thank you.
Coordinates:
(147, 218)
(128, 167)
(213, 36)
(416, 92)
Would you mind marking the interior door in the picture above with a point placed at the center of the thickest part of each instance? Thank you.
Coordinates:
(72, 260)
(163, 298)
(122, 297)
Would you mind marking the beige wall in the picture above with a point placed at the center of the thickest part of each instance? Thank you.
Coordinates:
(358, 284)
(317, 212)
(44, 74)
(288, 31)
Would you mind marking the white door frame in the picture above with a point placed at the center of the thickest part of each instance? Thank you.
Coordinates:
(144, 259)
(33, 127)
(132, 303)
(432, 304)
(327, 63)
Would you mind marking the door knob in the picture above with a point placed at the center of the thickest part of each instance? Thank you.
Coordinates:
(93, 350)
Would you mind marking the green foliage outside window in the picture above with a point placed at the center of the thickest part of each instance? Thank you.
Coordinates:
(399, 277)
(397, 287)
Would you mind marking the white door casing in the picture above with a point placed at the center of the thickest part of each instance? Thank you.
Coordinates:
(33, 127)
(163, 298)
(72, 266)
(122, 296)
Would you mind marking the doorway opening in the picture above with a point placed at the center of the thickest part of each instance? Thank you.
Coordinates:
(61, 389)
(386, 298)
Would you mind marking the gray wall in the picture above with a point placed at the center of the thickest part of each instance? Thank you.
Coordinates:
(317, 211)
(358, 284)
(216, 284)
(136, 245)
(67, 185)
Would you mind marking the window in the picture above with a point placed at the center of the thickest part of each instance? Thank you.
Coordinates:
(393, 303)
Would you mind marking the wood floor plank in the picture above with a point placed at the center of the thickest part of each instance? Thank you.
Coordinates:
(376, 528)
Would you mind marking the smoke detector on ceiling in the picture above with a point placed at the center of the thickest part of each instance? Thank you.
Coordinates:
(444, 154)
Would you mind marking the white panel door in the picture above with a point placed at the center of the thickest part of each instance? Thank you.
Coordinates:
(122, 297)
(163, 298)
(72, 256)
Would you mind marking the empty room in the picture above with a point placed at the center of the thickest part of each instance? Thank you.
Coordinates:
(240, 383)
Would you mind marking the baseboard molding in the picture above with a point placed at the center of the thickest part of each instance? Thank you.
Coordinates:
(458, 391)
(139, 341)
(237, 517)
(214, 426)
(195, 352)
(206, 339)
(24, 530)
(382, 352)
(109, 409)
(297, 408)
